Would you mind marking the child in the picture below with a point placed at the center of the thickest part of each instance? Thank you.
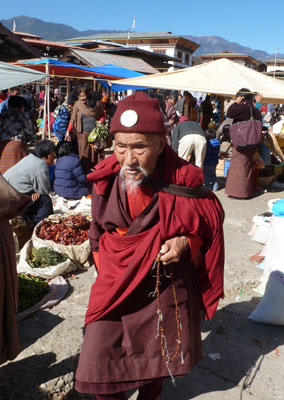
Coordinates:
(211, 160)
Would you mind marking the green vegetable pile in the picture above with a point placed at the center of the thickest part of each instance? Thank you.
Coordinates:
(100, 131)
(45, 257)
(30, 290)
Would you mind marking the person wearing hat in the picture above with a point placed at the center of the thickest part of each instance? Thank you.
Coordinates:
(157, 239)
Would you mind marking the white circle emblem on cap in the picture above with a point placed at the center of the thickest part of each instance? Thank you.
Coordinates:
(129, 118)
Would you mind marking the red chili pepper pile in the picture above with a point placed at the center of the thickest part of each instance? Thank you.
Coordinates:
(72, 230)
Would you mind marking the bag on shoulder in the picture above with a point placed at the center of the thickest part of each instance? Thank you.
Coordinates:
(56, 112)
(246, 135)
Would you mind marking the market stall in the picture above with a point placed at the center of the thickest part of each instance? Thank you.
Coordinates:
(57, 69)
(220, 77)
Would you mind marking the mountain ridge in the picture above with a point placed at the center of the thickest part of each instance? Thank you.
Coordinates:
(56, 32)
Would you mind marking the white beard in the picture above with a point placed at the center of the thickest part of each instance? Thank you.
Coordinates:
(130, 185)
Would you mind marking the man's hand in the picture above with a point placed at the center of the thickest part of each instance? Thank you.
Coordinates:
(35, 196)
(258, 98)
(172, 249)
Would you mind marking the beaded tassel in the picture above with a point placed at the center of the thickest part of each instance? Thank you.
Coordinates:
(171, 375)
(160, 328)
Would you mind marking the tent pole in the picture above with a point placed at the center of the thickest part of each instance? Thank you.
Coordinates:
(222, 98)
(48, 103)
(67, 87)
(44, 111)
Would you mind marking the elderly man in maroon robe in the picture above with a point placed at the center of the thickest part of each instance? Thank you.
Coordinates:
(158, 244)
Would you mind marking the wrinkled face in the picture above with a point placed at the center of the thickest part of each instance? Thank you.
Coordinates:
(135, 150)
(82, 97)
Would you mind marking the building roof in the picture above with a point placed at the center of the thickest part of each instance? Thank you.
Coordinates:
(159, 61)
(49, 43)
(26, 35)
(12, 47)
(124, 35)
(278, 61)
(127, 50)
(95, 59)
(140, 37)
(228, 54)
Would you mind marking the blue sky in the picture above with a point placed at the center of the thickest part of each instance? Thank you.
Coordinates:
(254, 23)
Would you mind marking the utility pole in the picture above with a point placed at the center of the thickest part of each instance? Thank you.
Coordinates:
(276, 51)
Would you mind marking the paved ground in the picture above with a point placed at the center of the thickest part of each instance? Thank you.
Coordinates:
(251, 364)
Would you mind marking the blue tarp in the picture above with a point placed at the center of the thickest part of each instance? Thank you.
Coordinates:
(114, 70)
(108, 69)
(58, 63)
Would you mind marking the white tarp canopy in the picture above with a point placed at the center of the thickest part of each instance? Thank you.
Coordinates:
(13, 75)
(222, 77)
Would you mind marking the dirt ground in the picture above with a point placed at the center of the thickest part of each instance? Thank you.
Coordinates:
(251, 355)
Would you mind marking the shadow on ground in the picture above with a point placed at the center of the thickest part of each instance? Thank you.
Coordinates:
(29, 373)
(242, 345)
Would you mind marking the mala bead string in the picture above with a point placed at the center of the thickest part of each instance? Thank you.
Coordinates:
(160, 327)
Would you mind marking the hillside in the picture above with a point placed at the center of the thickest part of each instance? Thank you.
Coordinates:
(57, 32)
(215, 44)
(48, 30)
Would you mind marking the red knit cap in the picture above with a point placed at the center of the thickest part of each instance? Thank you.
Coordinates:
(138, 114)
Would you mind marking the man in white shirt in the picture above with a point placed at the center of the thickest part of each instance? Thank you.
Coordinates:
(31, 176)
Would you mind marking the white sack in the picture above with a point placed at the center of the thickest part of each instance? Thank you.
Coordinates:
(270, 310)
(79, 254)
(274, 255)
(46, 273)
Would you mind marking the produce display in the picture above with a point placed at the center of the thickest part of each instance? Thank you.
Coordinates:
(71, 230)
(30, 290)
(45, 257)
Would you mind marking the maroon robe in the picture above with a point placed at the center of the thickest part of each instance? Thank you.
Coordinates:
(12, 203)
(121, 349)
(240, 182)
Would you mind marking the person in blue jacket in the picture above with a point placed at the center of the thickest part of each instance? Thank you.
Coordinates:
(70, 180)
(211, 160)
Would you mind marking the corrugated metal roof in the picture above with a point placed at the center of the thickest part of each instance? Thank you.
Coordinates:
(132, 35)
(126, 49)
(95, 59)
(124, 35)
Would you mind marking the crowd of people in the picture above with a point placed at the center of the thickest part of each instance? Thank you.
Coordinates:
(153, 208)
(193, 130)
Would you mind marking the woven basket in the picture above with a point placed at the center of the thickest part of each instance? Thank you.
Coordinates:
(265, 180)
